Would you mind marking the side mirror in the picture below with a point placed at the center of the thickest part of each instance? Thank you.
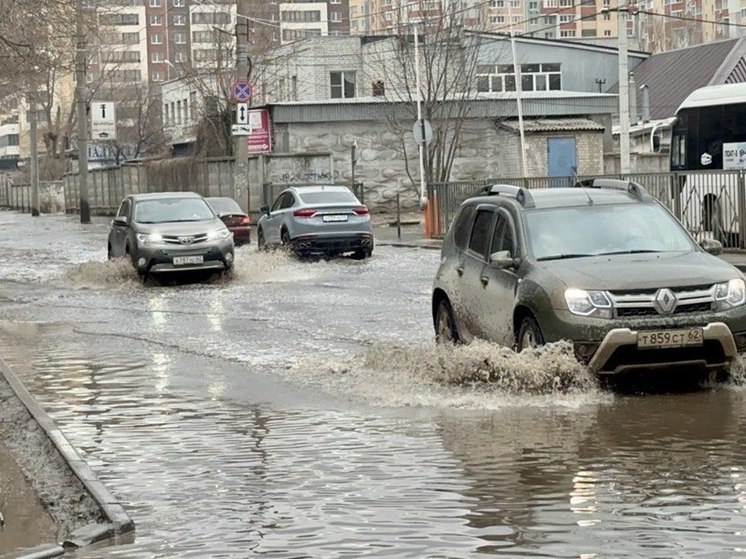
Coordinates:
(120, 220)
(502, 259)
(712, 246)
(264, 210)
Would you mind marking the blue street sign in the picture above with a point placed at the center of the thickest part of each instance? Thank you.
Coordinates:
(242, 91)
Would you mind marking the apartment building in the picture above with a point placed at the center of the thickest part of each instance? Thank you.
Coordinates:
(653, 25)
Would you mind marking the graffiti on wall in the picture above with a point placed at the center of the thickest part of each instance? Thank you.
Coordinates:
(297, 169)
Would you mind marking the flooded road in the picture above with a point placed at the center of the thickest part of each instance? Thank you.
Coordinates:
(303, 410)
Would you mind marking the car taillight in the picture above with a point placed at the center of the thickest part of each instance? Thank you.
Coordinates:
(304, 213)
(362, 210)
(245, 220)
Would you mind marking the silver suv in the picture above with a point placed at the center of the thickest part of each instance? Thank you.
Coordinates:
(604, 266)
(170, 232)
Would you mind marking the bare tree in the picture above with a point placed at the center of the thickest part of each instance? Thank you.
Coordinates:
(448, 56)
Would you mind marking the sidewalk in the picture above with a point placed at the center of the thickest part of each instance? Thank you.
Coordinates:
(413, 235)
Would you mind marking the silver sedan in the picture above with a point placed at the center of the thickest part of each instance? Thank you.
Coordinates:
(317, 220)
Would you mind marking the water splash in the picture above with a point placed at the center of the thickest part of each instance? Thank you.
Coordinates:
(548, 369)
(738, 371)
(481, 375)
(118, 272)
(278, 266)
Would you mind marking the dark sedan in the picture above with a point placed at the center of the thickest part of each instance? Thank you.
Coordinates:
(235, 219)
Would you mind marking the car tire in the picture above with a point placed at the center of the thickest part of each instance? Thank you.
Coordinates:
(261, 244)
(285, 239)
(445, 324)
(529, 334)
(109, 255)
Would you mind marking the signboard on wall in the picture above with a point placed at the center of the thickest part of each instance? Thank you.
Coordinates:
(260, 136)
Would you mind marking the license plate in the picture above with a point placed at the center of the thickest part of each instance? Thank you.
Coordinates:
(335, 217)
(669, 338)
(183, 260)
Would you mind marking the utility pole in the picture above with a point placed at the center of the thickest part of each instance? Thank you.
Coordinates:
(623, 89)
(34, 167)
(240, 143)
(81, 61)
(423, 144)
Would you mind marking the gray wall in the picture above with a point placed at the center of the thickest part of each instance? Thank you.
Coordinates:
(581, 65)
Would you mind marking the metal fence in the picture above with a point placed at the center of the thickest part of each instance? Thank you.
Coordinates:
(709, 204)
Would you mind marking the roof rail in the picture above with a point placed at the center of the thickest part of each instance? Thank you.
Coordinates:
(637, 190)
(522, 195)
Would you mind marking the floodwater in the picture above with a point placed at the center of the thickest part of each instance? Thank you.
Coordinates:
(301, 409)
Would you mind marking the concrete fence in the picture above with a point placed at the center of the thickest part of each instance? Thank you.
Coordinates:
(107, 186)
(18, 196)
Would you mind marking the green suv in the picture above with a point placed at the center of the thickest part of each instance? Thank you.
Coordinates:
(603, 265)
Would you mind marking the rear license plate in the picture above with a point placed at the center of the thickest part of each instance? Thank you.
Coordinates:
(669, 338)
(335, 217)
(184, 260)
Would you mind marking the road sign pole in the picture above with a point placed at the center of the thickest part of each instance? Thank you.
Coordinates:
(240, 149)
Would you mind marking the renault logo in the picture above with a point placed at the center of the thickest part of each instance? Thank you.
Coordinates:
(665, 301)
(186, 240)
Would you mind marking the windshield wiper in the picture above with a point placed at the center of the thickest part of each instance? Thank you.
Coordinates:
(563, 256)
(636, 251)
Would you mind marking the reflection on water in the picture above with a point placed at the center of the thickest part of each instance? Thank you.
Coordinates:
(565, 475)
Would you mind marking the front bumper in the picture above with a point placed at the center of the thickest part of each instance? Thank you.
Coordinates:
(160, 258)
(609, 346)
(619, 353)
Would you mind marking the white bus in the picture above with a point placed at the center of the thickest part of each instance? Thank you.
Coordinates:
(709, 134)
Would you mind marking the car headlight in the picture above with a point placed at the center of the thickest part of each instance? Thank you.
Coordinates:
(729, 295)
(588, 303)
(218, 234)
(149, 239)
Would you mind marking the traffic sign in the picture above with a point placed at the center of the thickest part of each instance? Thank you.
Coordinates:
(103, 121)
(242, 113)
(240, 130)
(419, 127)
(242, 91)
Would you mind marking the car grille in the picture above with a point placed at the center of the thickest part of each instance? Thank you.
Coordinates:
(643, 304)
(185, 240)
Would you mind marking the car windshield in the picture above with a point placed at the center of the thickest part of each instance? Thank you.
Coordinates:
(225, 205)
(164, 210)
(328, 197)
(604, 229)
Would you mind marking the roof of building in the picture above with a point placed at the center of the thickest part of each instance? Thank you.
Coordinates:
(554, 125)
(671, 76)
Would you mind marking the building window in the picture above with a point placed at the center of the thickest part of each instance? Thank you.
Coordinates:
(156, 20)
(179, 3)
(156, 57)
(180, 56)
(335, 17)
(180, 38)
(130, 38)
(156, 39)
(155, 3)
(342, 85)
(156, 76)
(534, 77)
(179, 20)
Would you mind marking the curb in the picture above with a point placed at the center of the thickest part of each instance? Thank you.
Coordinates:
(118, 522)
(409, 244)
